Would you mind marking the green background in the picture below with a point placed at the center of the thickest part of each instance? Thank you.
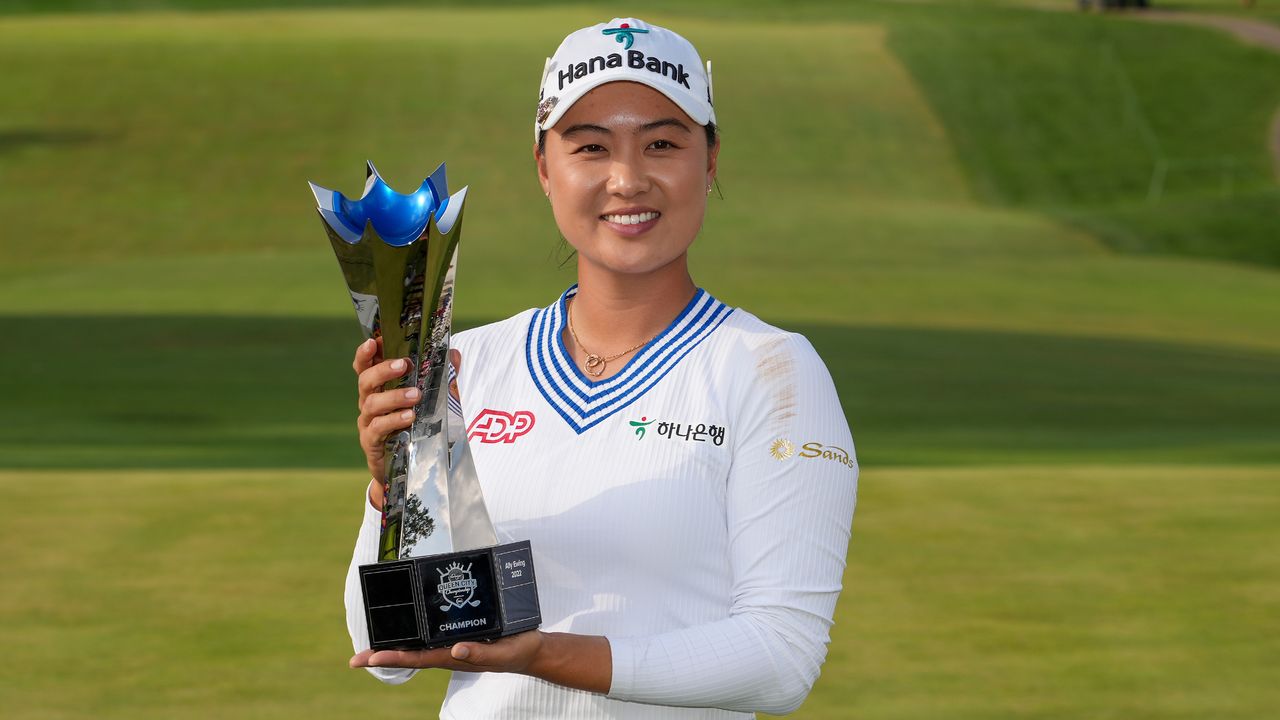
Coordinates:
(1038, 251)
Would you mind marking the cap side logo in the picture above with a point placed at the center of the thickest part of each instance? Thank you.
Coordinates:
(545, 107)
(624, 34)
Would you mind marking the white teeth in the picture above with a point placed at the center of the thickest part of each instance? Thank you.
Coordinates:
(632, 219)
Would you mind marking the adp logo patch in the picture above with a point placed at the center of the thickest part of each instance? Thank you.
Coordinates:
(496, 426)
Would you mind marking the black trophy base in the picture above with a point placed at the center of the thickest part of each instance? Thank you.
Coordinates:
(438, 600)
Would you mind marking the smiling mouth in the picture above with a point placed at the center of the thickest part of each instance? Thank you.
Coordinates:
(631, 219)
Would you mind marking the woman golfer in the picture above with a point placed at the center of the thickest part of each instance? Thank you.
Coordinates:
(683, 470)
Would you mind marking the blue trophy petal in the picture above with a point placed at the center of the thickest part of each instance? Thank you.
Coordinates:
(397, 218)
(440, 186)
(340, 227)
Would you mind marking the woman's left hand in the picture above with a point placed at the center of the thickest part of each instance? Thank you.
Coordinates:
(515, 653)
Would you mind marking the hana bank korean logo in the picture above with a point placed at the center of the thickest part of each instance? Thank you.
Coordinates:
(640, 426)
(624, 34)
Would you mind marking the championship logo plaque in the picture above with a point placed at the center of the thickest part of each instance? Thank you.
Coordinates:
(457, 587)
(441, 577)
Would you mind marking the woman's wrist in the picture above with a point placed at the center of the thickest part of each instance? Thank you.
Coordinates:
(544, 662)
(375, 493)
(583, 662)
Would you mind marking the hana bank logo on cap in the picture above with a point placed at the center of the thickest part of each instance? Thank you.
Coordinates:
(606, 52)
(624, 33)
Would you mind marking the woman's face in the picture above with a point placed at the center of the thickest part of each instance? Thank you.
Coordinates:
(627, 172)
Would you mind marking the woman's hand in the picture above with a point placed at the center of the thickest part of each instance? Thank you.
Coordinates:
(584, 662)
(381, 412)
(515, 653)
(384, 412)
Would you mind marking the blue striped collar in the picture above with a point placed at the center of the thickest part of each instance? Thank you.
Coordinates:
(585, 403)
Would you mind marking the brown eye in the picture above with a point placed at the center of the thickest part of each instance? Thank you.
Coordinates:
(662, 145)
(592, 148)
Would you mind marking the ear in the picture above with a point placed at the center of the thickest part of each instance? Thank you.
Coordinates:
(713, 156)
(540, 160)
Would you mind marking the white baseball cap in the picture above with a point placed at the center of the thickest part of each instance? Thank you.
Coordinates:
(624, 49)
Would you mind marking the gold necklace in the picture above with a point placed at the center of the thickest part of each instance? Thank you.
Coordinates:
(595, 364)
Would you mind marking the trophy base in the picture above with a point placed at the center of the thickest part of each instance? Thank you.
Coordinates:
(438, 600)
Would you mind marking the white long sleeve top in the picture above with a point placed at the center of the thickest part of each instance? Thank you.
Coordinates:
(694, 508)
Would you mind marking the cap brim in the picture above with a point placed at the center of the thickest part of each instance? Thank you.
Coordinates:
(700, 113)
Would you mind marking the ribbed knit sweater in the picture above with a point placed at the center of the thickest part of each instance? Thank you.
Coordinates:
(694, 508)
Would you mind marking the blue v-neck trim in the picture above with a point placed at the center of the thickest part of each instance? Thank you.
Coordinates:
(583, 402)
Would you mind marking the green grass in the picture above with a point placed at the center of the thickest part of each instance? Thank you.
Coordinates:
(1098, 122)
(208, 391)
(1262, 10)
(1046, 592)
(182, 594)
(179, 249)
(1148, 136)
(1062, 387)
(1030, 592)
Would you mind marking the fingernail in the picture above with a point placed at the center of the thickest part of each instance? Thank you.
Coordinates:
(397, 365)
(367, 344)
(461, 652)
(406, 415)
(412, 394)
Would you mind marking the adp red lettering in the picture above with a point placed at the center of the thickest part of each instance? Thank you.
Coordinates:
(496, 426)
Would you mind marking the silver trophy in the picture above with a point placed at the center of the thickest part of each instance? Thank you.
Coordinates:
(441, 577)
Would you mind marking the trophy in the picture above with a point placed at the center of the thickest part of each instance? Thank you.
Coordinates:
(441, 576)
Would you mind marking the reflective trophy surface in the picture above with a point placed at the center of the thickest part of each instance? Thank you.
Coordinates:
(441, 577)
